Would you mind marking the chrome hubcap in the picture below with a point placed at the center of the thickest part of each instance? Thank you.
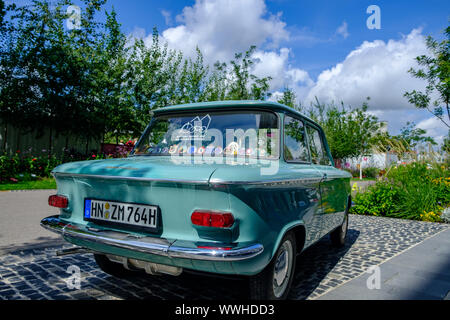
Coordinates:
(282, 269)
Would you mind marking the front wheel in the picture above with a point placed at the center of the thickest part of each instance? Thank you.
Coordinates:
(275, 281)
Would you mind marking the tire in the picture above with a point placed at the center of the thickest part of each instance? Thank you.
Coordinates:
(113, 268)
(270, 285)
(339, 235)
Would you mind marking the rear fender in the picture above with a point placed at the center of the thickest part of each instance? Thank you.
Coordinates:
(288, 227)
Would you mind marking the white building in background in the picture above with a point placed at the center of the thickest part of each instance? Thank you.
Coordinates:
(386, 159)
(376, 160)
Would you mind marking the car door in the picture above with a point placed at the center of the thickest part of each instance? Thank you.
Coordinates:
(333, 199)
(307, 192)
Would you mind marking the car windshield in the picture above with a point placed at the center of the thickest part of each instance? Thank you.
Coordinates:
(252, 134)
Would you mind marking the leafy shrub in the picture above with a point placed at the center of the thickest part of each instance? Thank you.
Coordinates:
(378, 200)
(416, 191)
(370, 172)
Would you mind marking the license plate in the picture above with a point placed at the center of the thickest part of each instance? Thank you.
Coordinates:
(132, 214)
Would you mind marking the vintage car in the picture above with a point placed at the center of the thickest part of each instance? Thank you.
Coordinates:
(225, 188)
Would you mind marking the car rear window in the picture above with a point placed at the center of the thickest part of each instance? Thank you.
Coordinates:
(212, 133)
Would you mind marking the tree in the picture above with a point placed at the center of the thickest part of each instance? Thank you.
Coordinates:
(217, 85)
(414, 136)
(436, 71)
(288, 98)
(154, 74)
(350, 132)
(50, 72)
(196, 74)
(93, 82)
(244, 85)
(2, 12)
(406, 144)
(112, 88)
(446, 144)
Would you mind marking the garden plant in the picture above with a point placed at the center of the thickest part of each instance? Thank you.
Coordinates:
(416, 191)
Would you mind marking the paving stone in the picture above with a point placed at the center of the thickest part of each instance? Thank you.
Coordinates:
(39, 274)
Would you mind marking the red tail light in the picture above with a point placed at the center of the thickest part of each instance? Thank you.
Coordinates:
(212, 219)
(58, 201)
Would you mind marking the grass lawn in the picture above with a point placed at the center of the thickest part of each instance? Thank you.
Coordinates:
(44, 183)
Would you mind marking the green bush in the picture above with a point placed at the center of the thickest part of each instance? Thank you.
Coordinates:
(416, 191)
(370, 172)
(378, 200)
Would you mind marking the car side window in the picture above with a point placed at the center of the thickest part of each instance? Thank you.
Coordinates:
(317, 147)
(295, 147)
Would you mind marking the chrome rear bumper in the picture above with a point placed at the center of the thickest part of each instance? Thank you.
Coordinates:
(157, 246)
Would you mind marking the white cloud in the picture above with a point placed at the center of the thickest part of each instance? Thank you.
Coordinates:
(375, 69)
(343, 30)
(276, 65)
(434, 128)
(223, 27)
(271, 63)
(167, 17)
(379, 70)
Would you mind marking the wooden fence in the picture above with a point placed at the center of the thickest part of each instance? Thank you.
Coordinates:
(13, 139)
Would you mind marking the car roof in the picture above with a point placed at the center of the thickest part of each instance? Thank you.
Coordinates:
(233, 104)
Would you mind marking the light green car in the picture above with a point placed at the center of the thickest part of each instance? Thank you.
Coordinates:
(229, 188)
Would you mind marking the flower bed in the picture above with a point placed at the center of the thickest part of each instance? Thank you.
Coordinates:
(26, 166)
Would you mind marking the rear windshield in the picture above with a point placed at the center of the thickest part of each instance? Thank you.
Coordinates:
(242, 134)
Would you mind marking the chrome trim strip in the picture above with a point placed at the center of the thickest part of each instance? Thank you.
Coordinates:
(212, 181)
(157, 246)
(215, 255)
(80, 175)
(283, 181)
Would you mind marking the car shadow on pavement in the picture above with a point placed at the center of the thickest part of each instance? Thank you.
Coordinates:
(316, 266)
(36, 271)
(313, 266)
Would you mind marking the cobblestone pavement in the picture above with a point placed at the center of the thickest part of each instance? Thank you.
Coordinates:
(29, 272)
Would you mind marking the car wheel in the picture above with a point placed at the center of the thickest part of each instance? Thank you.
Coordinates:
(274, 282)
(339, 235)
(113, 268)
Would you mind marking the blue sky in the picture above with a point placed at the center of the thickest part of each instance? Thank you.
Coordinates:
(315, 19)
(319, 48)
